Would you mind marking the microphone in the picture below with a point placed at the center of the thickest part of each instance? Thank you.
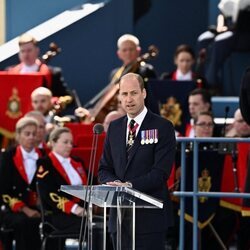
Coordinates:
(97, 130)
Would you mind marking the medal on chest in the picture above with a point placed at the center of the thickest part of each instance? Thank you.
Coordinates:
(130, 138)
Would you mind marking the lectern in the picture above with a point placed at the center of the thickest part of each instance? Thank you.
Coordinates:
(105, 196)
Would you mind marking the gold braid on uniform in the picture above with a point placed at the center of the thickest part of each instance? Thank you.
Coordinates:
(59, 200)
(10, 201)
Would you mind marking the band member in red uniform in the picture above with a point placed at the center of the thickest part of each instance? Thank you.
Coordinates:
(199, 100)
(17, 186)
(57, 169)
(30, 63)
(184, 58)
(128, 50)
(41, 131)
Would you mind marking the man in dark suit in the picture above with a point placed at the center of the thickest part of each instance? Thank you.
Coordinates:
(140, 156)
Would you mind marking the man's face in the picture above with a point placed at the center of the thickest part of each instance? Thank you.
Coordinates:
(28, 53)
(131, 96)
(42, 103)
(196, 105)
(128, 52)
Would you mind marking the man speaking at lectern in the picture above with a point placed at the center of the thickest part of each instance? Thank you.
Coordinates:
(139, 152)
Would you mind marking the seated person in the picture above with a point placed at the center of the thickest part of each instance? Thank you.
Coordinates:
(17, 186)
(57, 169)
(232, 219)
(41, 131)
(199, 100)
(209, 179)
(203, 125)
(30, 62)
(128, 52)
(184, 58)
(41, 100)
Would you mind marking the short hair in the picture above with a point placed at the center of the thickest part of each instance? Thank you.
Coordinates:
(135, 76)
(35, 113)
(128, 37)
(24, 122)
(55, 134)
(207, 113)
(41, 91)
(27, 38)
(184, 48)
(206, 97)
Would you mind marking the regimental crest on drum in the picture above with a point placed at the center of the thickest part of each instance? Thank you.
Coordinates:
(204, 183)
(172, 111)
(14, 105)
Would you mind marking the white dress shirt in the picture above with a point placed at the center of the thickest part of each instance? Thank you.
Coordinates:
(29, 68)
(72, 174)
(29, 162)
(183, 77)
(191, 132)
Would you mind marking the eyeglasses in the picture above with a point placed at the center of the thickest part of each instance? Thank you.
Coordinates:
(203, 125)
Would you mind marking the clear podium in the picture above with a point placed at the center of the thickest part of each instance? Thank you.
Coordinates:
(105, 196)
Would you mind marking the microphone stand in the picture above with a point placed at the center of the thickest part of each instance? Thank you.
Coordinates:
(232, 149)
(98, 129)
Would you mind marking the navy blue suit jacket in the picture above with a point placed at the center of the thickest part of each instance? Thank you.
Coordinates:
(147, 168)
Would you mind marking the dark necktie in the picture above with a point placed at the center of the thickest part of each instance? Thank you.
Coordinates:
(131, 134)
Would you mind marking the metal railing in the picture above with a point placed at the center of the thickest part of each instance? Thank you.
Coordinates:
(195, 194)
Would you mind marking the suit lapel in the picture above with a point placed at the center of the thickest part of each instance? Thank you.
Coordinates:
(18, 160)
(123, 143)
